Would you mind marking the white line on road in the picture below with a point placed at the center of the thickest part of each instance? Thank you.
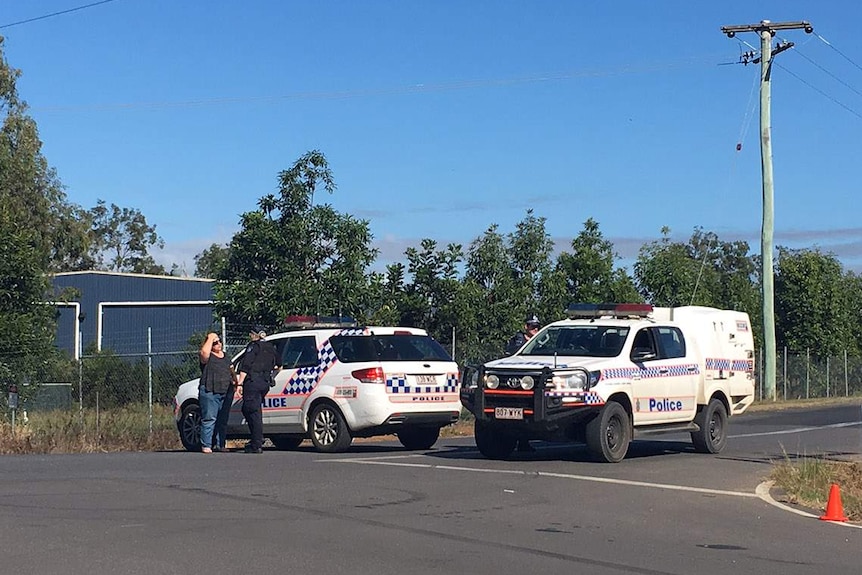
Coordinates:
(703, 490)
(796, 430)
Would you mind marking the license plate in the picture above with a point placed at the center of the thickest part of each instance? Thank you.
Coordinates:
(509, 412)
(426, 379)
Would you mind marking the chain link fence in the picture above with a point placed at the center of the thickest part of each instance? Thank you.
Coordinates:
(806, 376)
(108, 380)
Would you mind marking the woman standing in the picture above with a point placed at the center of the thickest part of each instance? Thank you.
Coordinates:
(215, 393)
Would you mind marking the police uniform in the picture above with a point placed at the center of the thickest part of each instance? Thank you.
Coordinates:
(258, 363)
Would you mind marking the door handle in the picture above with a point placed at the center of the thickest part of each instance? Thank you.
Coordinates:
(663, 370)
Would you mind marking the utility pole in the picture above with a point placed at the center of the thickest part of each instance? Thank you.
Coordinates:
(766, 30)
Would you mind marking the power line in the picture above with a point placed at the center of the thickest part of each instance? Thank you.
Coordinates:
(393, 91)
(821, 92)
(838, 51)
(27, 21)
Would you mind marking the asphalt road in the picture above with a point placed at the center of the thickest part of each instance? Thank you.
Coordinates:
(379, 509)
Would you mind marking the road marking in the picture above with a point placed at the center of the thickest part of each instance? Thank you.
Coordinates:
(763, 493)
(665, 486)
(797, 430)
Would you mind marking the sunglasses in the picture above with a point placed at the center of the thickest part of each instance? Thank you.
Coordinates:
(216, 342)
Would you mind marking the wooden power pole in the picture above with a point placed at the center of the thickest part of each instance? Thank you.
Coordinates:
(766, 30)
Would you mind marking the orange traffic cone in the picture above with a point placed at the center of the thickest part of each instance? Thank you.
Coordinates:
(834, 509)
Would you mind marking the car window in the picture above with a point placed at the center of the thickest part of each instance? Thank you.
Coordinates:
(299, 352)
(580, 340)
(396, 347)
(671, 342)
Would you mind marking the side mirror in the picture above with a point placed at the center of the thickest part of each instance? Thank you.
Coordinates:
(639, 355)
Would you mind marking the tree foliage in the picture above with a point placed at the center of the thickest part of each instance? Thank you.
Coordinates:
(813, 309)
(209, 262)
(121, 239)
(29, 192)
(292, 256)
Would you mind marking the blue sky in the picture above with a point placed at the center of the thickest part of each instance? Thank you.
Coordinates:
(441, 118)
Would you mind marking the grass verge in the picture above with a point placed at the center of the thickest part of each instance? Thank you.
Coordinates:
(807, 482)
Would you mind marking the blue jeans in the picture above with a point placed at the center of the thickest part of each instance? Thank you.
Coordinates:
(215, 409)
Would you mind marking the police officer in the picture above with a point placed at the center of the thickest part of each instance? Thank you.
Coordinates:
(531, 326)
(256, 376)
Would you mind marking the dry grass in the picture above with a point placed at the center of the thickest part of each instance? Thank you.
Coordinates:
(121, 429)
(807, 482)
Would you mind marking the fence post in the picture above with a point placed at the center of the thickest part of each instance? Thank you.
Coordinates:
(150, 377)
(807, 371)
(827, 376)
(785, 373)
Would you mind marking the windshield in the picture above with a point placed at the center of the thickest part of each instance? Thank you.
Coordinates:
(398, 347)
(579, 340)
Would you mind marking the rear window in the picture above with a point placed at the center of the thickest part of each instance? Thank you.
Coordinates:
(398, 347)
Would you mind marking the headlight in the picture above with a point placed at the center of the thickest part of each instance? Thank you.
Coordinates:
(492, 381)
(576, 380)
(527, 382)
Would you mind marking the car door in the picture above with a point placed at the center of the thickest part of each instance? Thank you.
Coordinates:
(649, 386)
(679, 371)
(295, 381)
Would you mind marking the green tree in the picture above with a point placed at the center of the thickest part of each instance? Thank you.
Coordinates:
(29, 193)
(812, 304)
(292, 256)
(429, 300)
(122, 239)
(589, 271)
(211, 260)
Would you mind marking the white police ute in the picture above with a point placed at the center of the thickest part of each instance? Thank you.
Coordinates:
(339, 381)
(614, 369)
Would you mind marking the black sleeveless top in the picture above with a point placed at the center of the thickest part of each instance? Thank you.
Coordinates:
(215, 374)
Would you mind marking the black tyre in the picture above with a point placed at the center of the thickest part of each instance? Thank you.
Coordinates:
(329, 432)
(189, 427)
(712, 420)
(419, 437)
(493, 443)
(609, 433)
(286, 442)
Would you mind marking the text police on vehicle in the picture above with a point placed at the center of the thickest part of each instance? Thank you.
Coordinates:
(611, 369)
(339, 381)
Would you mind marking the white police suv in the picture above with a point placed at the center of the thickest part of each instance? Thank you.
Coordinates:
(339, 381)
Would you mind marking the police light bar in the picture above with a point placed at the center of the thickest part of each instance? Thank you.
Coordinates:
(596, 310)
(318, 321)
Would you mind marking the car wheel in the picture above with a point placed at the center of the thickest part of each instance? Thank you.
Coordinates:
(189, 427)
(286, 442)
(329, 432)
(493, 443)
(418, 437)
(712, 420)
(609, 433)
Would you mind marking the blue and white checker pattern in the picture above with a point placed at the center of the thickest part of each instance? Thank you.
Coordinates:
(588, 398)
(650, 372)
(305, 379)
(397, 383)
(728, 364)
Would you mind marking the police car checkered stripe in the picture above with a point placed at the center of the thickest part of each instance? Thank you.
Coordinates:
(729, 364)
(650, 372)
(397, 383)
(305, 379)
(589, 397)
